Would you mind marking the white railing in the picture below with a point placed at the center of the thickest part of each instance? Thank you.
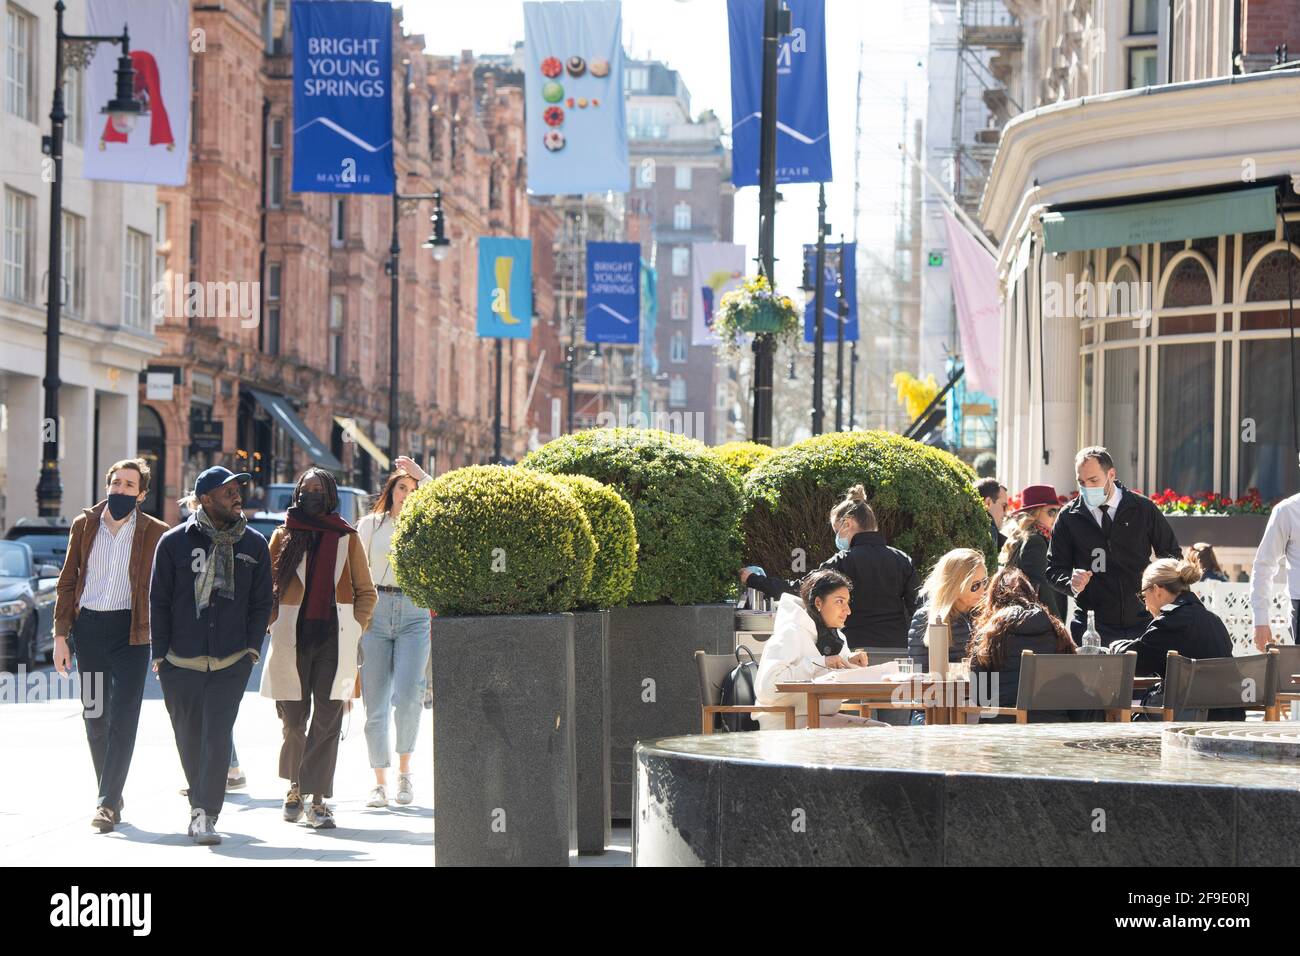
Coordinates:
(1231, 601)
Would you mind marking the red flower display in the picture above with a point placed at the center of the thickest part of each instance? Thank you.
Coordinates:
(552, 67)
(553, 116)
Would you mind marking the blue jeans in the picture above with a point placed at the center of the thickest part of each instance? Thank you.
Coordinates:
(394, 652)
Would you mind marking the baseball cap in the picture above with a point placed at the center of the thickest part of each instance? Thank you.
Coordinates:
(216, 476)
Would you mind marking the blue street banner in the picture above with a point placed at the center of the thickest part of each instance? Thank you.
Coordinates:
(505, 288)
(803, 133)
(614, 292)
(650, 312)
(573, 93)
(830, 305)
(342, 96)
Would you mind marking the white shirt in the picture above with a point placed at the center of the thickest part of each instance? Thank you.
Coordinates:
(791, 654)
(108, 570)
(1112, 501)
(376, 533)
(1281, 537)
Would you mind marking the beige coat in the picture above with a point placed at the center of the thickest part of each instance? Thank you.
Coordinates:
(355, 597)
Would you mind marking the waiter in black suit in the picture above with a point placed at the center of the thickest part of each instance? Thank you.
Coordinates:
(1102, 542)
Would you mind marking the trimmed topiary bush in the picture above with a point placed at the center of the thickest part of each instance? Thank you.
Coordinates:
(685, 502)
(924, 499)
(614, 529)
(488, 539)
(742, 457)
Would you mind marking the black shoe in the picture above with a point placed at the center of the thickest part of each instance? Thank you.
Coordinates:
(293, 804)
(103, 820)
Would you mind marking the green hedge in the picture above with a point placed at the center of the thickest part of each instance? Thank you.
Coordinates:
(742, 457)
(686, 504)
(924, 499)
(493, 540)
(614, 528)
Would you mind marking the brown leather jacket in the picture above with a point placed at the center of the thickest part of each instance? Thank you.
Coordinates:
(72, 579)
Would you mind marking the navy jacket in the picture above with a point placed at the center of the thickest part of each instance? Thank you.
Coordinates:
(959, 627)
(1184, 625)
(226, 626)
(884, 591)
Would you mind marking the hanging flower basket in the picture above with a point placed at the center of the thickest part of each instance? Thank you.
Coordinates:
(755, 308)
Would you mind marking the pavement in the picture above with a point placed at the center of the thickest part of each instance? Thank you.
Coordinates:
(47, 795)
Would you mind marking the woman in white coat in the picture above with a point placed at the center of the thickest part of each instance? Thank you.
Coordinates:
(395, 650)
(805, 644)
(323, 600)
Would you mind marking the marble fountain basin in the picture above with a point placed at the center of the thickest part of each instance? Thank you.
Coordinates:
(1074, 794)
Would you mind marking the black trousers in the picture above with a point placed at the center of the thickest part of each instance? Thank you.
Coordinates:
(203, 706)
(309, 756)
(1108, 632)
(112, 672)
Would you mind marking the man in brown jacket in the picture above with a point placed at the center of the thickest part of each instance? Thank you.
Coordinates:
(102, 613)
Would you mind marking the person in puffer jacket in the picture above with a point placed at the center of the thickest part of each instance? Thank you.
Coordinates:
(1011, 622)
(951, 592)
(805, 644)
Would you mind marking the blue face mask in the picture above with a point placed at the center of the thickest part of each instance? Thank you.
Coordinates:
(1092, 497)
(842, 542)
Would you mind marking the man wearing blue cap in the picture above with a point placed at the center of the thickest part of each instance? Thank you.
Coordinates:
(210, 602)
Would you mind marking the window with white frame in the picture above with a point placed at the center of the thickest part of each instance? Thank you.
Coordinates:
(275, 26)
(638, 78)
(677, 391)
(1142, 67)
(682, 216)
(680, 302)
(1144, 16)
(20, 233)
(74, 263)
(338, 221)
(677, 349)
(681, 260)
(336, 335)
(73, 124)
(271, 341)
(160, 242)
(136, 279)
(20, 67)
(682, 177)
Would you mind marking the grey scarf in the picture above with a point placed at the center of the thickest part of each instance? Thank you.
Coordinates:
(219, 569)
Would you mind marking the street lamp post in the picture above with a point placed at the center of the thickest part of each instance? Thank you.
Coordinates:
(842, 314)
(122, 111)
(776, 24)
(853, 385)
(438, 244)
(819, 317)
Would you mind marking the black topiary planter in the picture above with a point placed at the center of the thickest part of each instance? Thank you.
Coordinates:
(653, 687)
(504, 773)
(591, 712)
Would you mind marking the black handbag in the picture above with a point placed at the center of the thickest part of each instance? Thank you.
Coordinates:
(738, 691)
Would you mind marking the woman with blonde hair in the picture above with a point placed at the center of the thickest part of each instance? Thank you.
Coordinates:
(950, 594)
(1031, 535)
(1180, 622)
(883, 578)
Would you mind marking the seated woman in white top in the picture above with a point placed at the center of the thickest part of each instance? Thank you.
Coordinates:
(806, 643)
(395, 650)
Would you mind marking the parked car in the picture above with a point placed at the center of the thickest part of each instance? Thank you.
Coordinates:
(26, 607)
(353, 502)
(265, 523)
(47, 537)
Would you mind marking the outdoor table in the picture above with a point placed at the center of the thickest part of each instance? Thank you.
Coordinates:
(938, 698)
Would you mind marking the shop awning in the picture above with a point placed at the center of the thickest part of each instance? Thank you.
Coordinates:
(288, 419)
(1166, 220)
(350, 427)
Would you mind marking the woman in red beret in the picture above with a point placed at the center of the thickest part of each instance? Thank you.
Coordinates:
(1026, 546)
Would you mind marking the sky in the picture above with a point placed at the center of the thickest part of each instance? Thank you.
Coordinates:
(691, 37)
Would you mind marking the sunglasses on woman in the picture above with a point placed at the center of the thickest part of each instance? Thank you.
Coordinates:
(978, 586)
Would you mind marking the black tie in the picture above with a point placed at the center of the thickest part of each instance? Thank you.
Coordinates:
(1105, 521)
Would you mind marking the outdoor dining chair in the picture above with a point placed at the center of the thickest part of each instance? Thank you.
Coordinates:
(1192, 688)
(713, 670)
(1068, 682)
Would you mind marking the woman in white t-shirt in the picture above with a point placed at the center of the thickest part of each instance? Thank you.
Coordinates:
(395, 649)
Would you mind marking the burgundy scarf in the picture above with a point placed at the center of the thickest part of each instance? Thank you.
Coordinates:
(320, 559)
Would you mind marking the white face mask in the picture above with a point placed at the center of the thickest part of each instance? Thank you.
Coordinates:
(1092, 496)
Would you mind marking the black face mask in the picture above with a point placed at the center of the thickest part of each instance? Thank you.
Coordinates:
(312, 502)
(119, 506)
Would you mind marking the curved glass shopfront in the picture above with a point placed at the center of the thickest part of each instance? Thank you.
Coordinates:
(1193, 387)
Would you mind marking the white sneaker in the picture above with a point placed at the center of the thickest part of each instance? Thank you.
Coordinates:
(378, 797)
(405, 794)
(203, 828)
